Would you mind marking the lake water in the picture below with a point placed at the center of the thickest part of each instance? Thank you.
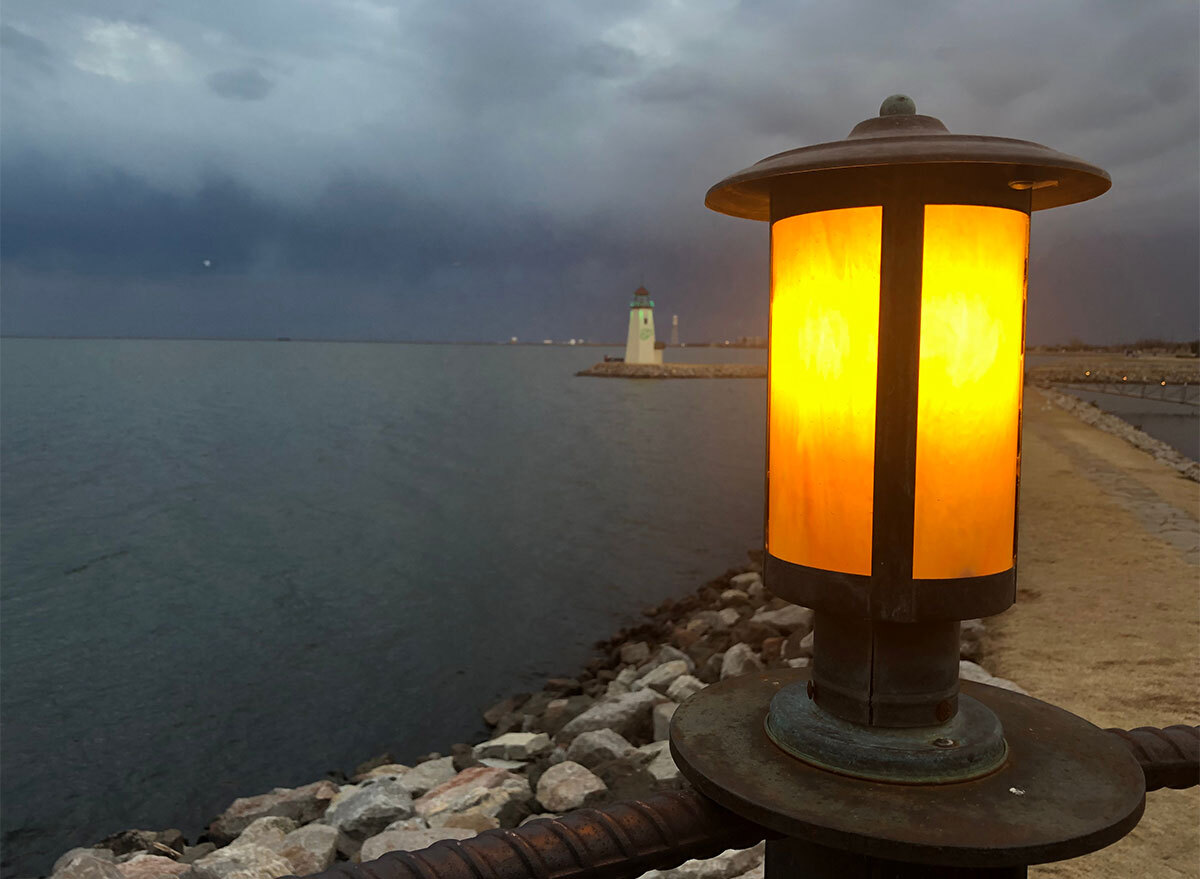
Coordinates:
(234, 565)
(229, 566)
(1175, 424)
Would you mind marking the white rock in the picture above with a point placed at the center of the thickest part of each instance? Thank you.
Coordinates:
(514, 746)
(683, 688)
(510, 765)
(661, 677)
(970, 671)
(84, 863)
(745, 581)
(734, 596)
(413, 823)
(310, 849)
(740, 659)
(565, 786)
(787, 619)
(728, 618)
(727, 865)
(628, 675)
(668, 652)
(598, 746)
(368, 809)
(268, 831)
(615, 689)
(627, 715)
(635, 653)
(247, 861)
(662, 720)
(799, 662)
(409, 840)
(662, 765)
(424, 777)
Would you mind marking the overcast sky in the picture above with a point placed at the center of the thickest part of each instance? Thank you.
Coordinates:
(475, 170)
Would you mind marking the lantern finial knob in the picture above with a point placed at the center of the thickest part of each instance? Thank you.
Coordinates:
(898, 105)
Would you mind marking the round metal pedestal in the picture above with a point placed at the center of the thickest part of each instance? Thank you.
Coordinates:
(1066, 788)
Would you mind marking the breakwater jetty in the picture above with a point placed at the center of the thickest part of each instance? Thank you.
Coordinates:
(617, 369)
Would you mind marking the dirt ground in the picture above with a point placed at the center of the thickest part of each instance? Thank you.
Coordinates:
(1107, 620)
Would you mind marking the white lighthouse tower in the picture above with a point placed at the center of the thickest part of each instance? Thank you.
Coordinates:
(639, 344)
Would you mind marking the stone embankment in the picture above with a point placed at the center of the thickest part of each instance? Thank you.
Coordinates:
(1091, 414)
(592, 739)
(613, 369)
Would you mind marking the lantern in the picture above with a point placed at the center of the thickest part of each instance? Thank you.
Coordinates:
(898, 275)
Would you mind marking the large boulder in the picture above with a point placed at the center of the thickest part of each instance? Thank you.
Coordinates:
(424, 777)
(310, 849)
(365, 810)
(598, 746)
(789, 618)
(739, 659)
(409, 840)
(560, 712)
(634, 652)
(514, 746)
(267, 831)
(486, 792)
(745, 582)
(683, 688)
(248, 861)
(566, 785)
(147, 866)
(667, 653)
(87, 863)
(627, 715)
(301, 804)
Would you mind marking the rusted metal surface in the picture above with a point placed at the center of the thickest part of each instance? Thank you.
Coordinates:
(625, 839)
(664, 830)
(1067, 788)
(1169, 757)
(1049, 177)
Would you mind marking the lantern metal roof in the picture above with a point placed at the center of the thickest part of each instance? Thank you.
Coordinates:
(901, 136)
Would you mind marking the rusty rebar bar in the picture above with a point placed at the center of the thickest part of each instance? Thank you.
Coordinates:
(666, 829)
(1170, 757)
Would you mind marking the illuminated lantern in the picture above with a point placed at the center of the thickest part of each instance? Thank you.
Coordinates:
(898, 271)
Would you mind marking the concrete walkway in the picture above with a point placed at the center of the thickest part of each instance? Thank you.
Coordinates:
(1107, 621)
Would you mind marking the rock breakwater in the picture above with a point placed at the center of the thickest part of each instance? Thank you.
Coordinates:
(591, 739)
(616, 369)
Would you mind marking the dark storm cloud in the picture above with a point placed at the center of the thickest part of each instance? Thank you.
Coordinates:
(240, 84)
(479, 170)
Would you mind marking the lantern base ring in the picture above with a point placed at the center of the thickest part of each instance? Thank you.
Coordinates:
(969, 745)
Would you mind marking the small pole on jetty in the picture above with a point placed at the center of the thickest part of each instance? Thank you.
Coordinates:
(898, 266)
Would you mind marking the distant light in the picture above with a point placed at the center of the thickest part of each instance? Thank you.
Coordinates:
(1164, 384)
(1124, 378)
(1087, 372)
(206, 263)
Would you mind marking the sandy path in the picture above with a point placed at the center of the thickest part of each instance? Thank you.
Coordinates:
(1107, 621)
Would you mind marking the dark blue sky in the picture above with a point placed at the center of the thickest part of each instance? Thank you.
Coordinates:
(475, 170)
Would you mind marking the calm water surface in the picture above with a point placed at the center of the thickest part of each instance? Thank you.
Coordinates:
(234, 565)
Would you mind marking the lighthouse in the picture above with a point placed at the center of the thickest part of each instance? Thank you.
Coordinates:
(639, 344)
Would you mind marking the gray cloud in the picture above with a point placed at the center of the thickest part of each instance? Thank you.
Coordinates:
(240, 84)
(464, 170)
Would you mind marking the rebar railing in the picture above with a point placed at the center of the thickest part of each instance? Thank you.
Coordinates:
(666, 829)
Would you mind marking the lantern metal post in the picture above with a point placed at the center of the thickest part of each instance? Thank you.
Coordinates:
(894, 382)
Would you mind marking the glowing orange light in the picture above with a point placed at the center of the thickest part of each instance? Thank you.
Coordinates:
(1087, 372)
(969, 402)
(824, 345)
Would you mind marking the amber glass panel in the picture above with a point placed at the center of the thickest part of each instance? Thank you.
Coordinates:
(824, 342)
(969, 400)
